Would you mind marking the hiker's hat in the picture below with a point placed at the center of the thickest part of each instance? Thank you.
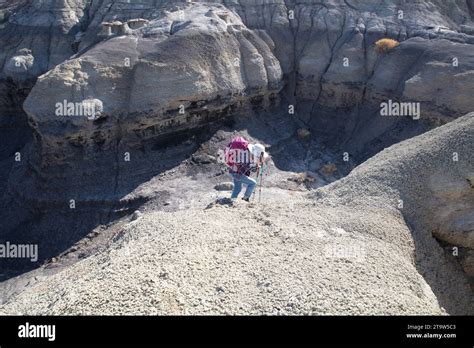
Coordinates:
(257, 150)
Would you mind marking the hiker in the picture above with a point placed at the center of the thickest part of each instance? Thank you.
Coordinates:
(260, 157)
(242, 159)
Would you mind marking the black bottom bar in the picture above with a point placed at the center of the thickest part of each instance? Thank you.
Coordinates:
(134, 331)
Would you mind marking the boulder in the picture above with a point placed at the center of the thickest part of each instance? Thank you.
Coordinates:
(224, 186)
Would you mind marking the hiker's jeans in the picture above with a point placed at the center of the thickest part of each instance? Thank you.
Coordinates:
(240, 179)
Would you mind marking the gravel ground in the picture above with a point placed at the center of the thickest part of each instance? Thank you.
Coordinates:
(243, 260)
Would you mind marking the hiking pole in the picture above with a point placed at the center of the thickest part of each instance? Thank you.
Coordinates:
(261, 183)
(258, 175)
(262, 163)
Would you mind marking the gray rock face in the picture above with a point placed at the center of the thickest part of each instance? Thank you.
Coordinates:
(206, 59)
(34, 36)
(45, 29)
(429, 184)
(165, 77)
(327, 50)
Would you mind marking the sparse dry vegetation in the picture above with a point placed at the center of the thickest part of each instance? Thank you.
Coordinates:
(329, 169)
(385, 45)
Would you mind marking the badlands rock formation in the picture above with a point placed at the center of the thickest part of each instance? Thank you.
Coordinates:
(351, 250)
(162, 67)
(167, 83)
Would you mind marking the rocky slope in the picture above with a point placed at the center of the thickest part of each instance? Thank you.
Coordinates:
(351, 250)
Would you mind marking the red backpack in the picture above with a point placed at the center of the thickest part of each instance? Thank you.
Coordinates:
(232, 152)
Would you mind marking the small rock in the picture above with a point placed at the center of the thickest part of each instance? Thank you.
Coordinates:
(470, 180)
(311, 176)
(203, 159)
(225, 201)
(136, 215)
(164, 275)
(224, 186)
(137, 23)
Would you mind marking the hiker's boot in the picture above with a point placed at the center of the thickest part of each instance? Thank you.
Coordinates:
(247, 199)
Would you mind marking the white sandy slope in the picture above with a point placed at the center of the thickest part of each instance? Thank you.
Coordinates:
(345, 250)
